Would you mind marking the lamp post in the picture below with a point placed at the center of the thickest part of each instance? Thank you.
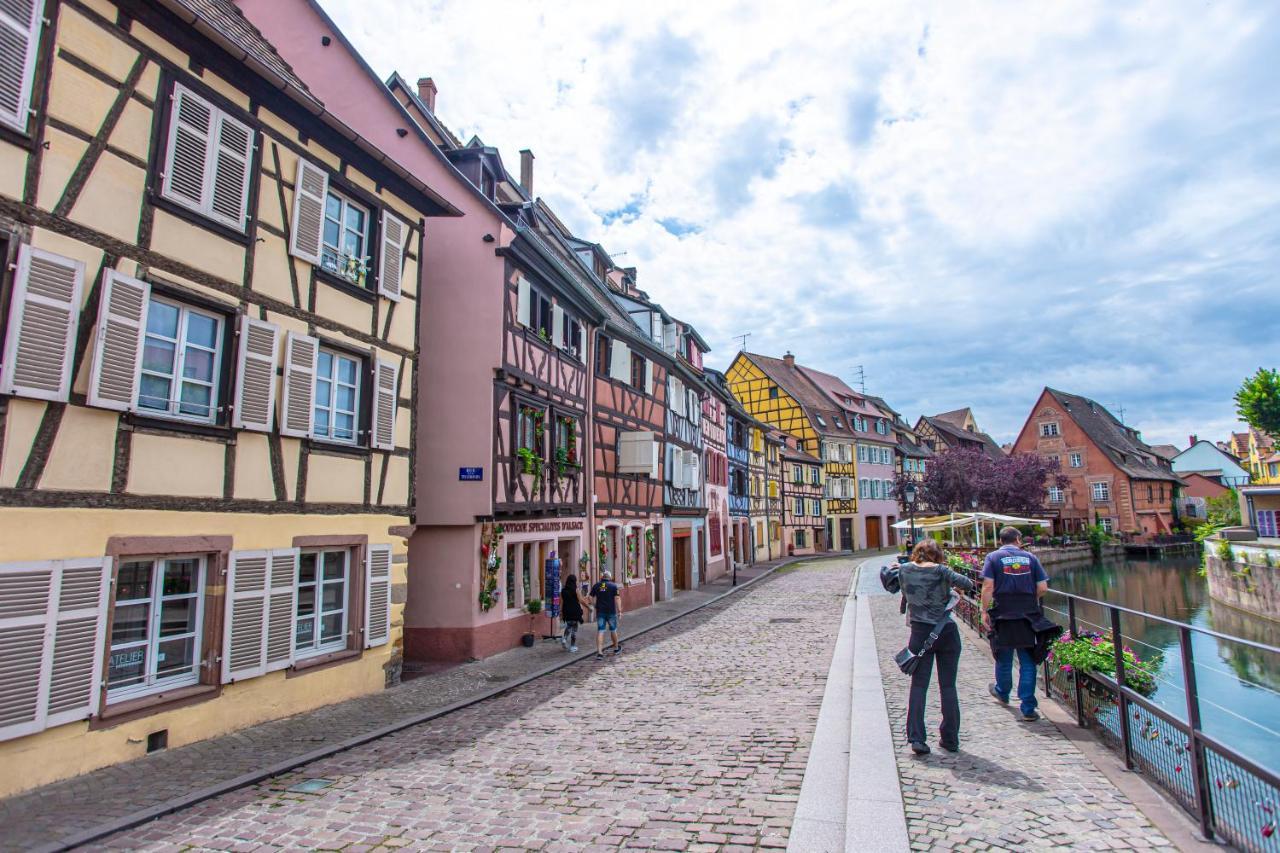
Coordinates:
(909, 495)
(977, 531)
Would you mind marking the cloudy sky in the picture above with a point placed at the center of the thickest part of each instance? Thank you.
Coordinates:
(968, 201)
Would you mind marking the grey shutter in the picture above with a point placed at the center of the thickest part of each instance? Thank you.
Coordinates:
(310, 188)
(261, 601)
(52, 630)
(524, 302)
(377, 599)
(557, 325)
(648, 377)
(669, 337)
(117, 349)
(282, 603)
(620, 362)
(256, 375)
(186, 174)
(19, 36)
(391, 259)
(386, 393)
(232, 157)
(43, 315)
(297, 416)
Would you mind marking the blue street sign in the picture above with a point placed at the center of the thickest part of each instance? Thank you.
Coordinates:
(474, 474)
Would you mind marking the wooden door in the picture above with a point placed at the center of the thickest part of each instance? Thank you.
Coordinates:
(846, 534)
(873, 531)
(680, 561)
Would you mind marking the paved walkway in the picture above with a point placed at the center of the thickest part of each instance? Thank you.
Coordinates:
(57, 813)
(1013, 785)
(695, 738)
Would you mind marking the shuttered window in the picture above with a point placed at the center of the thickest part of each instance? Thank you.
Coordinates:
(296, 412)
(258, 633)
(337, 397)
(44, 313)
(324, 588)
(156, 623)
(256, 375)
(208, 159)
(638, 453)
(391, 259)
(377, 622)
(310, 191)
(117, 349)
(19, 36)
(386, 399)
(52, 629)
(181, 361)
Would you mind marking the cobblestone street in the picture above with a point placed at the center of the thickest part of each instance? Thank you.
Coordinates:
(694, 738)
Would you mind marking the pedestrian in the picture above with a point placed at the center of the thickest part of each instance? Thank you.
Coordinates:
(926, 587)
(1013, 582)
(608, 607)
(573, 606)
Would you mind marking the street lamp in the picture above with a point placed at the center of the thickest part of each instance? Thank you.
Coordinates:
(977, 530)
(909, 495)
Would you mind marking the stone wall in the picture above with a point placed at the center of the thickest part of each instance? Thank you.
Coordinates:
(1247, 582)
(1075, 555)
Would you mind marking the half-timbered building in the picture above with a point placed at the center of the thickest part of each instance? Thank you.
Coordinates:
(206, 392)
(802, 487)
(715, 411)
(738, 475)
(758, 511)
(685, 545)
(775, 441)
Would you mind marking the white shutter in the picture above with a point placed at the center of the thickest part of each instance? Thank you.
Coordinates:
(44, 312)
(648, 377)
(310, 189)
(262, 592)
(377, 599)
(677, 401)
(524, 302)
(186, 171)
(78, 640)
(20, 34)
(256, 375)
(638, 453)
(655, 327)
(117, 348)
(386, 393)
(557, 325)
(232, 157)
(391, 259)
(669, 337)
(692, 467)
(695, 407)
(297, 414)
(620, 362)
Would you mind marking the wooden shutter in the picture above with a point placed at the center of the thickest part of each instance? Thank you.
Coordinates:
(44, 312)
(310, 189)
(377, 600)
(262, 592)
(19, 35)
(191, 125)
(557, 325)
(620, 362)
(691, 466)
(255, 375)
(648, 377)
(524, 302)
(386, 393)
(391, 260)
(52, 630)
(669, 337)
(232, 158)
(655, 327)
(297, 414)
(117, 348)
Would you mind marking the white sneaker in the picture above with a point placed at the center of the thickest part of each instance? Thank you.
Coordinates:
(574, 649)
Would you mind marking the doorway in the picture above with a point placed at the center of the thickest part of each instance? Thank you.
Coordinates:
(873, 531)
(846, 534)
(893, 534)
(680, 560)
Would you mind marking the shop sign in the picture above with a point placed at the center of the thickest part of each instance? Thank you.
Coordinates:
(473, 475)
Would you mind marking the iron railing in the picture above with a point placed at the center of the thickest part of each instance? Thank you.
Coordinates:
(1229, 794)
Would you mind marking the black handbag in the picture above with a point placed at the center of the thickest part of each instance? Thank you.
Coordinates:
(908, 660)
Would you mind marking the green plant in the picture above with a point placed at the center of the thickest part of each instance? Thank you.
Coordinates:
(1097, 536)
(1224, 552)
(533, 606)
(1258, 400)
(1091, 652)
(543, 336)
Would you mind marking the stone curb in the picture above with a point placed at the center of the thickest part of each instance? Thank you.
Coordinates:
(146, 815)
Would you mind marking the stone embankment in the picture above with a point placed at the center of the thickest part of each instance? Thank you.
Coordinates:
(1076, 555)
(1249, 581)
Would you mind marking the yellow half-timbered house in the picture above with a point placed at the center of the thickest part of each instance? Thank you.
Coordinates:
(209, 327)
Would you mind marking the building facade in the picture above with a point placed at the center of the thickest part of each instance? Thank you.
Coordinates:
(957, 429)
(738, 447)
(207, 469)
(803, 525)
(715, 454)
(1206, 458)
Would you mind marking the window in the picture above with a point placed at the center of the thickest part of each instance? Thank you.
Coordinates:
(797, 475)
(207, 160)
(337, 397)
(1151, 492)
(836, 418)
(527, 425)
(800, 540)
(1101, 492)
(637, 372)
(344, 245)
(1268, 521)
(822, 423)
(571, 338)
(321, 619)
(155, 631)
(1108, 525)
(1076, 460)
(1055, 495)
(815, 476)
(540, 314)
(773, 392)
(181, 354)
(1049, 430)
(21, 27)
(799, 506)
(513, 552)
(603, 350)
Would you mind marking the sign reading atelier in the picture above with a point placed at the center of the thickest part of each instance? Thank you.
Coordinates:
(471, 474)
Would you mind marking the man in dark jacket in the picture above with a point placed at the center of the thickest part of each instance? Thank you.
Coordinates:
(1013, 581)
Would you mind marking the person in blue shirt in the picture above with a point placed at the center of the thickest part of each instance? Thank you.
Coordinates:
(1013, 581)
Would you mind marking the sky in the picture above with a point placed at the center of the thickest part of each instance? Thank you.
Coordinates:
(965, 201)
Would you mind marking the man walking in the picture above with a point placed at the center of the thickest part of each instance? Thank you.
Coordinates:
(608, 609)
(1013, 581)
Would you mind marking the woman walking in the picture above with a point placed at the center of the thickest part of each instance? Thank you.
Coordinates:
(571, 612)
(926, 586)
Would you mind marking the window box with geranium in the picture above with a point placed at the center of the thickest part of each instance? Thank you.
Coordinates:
(1089, 652)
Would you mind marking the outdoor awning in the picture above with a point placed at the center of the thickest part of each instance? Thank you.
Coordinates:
(968, 519)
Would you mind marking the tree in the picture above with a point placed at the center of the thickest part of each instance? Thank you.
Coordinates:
(1258, 401)
(1008, 485)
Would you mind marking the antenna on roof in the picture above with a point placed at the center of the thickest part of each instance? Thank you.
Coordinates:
(860, 377)
(1119, 408)
(743, 337)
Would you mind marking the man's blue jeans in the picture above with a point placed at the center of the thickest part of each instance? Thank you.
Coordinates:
(1026, 676)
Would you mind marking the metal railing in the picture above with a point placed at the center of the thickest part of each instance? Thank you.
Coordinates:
(1229, 794)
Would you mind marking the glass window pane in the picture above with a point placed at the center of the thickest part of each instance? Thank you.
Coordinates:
(330, 627)
(157, 355)
(355, 218)
(127, 667)
(178, 616)
(344, 427)
(323, 392)
(306, 600)
(153, 392)
(198, 364)
(347, 371)
(352, 245)
(333, 597)
(175, 657)
(331, 232)
(333, 207)
(180, 576)
(306, 568)
(202, 330)
(162, 319)
(334, 564)
(134, 580)
(130, 623)
(322, 422)
(197, 400)
(346, 399)
(324, 364)
(303, 636)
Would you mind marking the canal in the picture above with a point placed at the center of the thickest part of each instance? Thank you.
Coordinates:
(1238, 686)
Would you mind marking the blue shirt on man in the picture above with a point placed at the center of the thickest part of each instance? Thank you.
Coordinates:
(1020, 571)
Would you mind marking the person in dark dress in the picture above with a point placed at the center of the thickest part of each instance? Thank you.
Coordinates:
(572, 613)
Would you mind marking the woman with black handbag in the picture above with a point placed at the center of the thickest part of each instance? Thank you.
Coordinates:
(926, 586)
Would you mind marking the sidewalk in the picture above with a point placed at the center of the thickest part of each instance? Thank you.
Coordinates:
(76, 810)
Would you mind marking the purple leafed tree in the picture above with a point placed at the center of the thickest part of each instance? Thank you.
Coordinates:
(1010, 485)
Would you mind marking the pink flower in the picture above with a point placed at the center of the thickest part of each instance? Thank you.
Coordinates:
(1066, 667)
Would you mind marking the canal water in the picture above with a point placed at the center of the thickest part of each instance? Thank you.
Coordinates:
(1238, 686)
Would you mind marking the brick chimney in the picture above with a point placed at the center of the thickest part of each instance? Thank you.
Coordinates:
(789, 360)
(526, 171)
(1193, 441)
(427, 93)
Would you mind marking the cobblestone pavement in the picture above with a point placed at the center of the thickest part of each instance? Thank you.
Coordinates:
(1013, 785)
(695, 738)
(47, 815)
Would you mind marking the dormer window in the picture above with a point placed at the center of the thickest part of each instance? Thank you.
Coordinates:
(839, 425)
(488, 184)
(822, 423)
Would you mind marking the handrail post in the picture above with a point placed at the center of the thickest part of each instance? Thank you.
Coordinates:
(1076, 677)
(1122, 702)
(1199, 776)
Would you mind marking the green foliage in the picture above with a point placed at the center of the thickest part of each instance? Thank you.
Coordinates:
(534, 606)
(1224, 510)
(1258, 401)
(1097, 537)
(1091, 652)
(1224, 552)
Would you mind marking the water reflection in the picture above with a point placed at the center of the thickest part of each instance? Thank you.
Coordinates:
(1238, 686)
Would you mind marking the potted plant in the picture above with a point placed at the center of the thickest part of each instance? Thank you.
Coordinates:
(533, 607)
